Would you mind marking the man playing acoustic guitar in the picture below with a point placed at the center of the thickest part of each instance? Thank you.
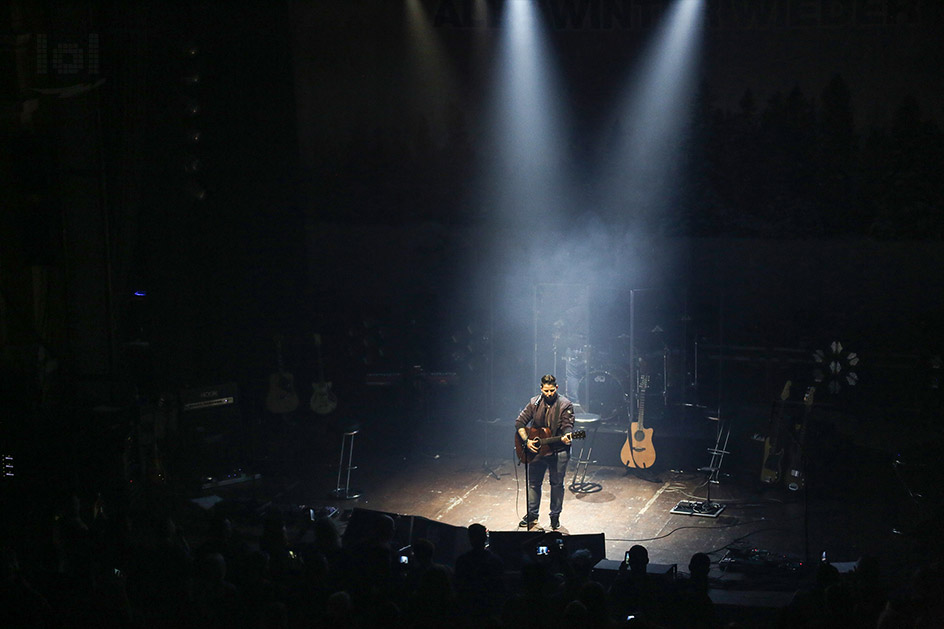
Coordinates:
(551, 421)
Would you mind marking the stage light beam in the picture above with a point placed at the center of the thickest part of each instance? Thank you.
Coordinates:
(526, 123)
(651, 119)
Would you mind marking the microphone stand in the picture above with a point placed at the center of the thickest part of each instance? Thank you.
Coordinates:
(527, 501)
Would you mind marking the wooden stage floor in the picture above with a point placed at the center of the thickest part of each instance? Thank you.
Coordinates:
(854, 505)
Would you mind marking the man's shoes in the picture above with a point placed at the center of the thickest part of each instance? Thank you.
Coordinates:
(555, 522)
(529, 523)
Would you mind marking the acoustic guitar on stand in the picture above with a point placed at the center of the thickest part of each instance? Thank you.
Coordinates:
(547, 444)
(638, 451)
(323, 399)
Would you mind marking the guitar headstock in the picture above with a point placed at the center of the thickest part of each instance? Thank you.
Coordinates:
(643, 382)
(578, 434)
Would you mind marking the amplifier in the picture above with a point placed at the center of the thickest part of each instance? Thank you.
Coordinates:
(208, 397)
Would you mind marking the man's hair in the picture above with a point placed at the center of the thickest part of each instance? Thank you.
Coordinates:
(700, 564)
(638, 557)
(478, 535)
(548, 379)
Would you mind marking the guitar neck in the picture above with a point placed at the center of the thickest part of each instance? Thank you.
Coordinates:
(808, 403)
(801, 438)
(546, 444)
(641, 400)
(320, 358)
(774, 428)
(550, 441)
(278, 355)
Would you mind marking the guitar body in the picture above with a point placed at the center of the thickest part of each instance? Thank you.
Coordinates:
(281, 397)
(547, 446)
(323, 400)
(638, 451)
(772, 467)
(773, 462)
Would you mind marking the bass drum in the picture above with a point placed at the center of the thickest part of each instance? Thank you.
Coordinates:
(601, 392)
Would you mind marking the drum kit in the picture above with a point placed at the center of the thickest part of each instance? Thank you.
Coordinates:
(600, 381)
(595, 383)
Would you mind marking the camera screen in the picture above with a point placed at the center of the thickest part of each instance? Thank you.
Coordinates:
(404, 559)
(542, 550)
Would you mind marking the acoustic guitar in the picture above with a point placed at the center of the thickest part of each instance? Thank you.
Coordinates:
(638, 451)
(796, 478)
(773, 444)
(547, 444)
(323, 399)
(281, 397)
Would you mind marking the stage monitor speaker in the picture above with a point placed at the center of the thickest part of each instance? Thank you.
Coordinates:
(605, 571)
(449, 541)
(519, 547)
(364, 523)
(593, 542)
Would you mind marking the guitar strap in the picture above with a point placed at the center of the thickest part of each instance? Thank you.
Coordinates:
(553, 417)
(547, 416)
(552, 420)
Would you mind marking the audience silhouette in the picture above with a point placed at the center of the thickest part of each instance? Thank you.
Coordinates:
(112, 568)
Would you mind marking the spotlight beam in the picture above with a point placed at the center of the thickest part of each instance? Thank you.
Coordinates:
(527, 122)
(651, 118)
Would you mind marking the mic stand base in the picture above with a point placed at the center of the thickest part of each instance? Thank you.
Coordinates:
(705, 509)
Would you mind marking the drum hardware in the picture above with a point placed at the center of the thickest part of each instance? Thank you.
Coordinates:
(601, 392)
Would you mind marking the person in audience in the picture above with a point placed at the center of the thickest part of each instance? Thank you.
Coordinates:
(20, 604)
(479, 573)
(692, 606)
(635, 592)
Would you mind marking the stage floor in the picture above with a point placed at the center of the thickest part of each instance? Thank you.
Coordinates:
(854, 505)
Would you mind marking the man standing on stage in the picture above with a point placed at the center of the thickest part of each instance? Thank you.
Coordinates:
(556, 413)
